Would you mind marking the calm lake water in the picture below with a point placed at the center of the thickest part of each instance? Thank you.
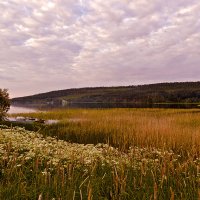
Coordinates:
(17, 109)
(14, 110)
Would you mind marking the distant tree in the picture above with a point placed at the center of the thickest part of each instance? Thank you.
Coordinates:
(4, 103)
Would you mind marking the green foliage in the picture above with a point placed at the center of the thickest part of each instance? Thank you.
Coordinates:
(4, 103)
(185, 92)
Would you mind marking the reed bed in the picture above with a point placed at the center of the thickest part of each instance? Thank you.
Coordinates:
(103, 154)
(122, 128)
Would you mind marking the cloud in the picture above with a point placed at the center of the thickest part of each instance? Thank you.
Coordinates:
(47, 45)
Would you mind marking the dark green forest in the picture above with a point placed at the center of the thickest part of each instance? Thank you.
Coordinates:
(178, 92)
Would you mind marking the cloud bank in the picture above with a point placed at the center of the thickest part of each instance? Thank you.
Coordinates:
(49, 45)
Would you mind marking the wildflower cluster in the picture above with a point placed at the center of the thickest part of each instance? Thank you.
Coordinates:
(58, 169)
(21, 144)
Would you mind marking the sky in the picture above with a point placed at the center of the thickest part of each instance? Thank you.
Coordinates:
(49, 45)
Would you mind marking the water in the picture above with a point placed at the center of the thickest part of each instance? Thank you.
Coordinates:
(27, 120)
(15, 109)
(132, 105)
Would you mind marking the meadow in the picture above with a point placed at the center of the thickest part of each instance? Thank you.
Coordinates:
(103, 154)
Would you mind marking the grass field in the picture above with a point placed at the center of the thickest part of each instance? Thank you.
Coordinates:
(128, 154)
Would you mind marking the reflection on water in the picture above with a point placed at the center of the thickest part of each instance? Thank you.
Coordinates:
(132, 105)
(20, 109)
(14, 109)
(27, 120)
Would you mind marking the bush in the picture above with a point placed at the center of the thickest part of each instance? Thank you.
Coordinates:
(4, 103)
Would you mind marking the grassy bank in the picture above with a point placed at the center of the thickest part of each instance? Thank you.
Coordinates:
(143, 154)
(37, 167)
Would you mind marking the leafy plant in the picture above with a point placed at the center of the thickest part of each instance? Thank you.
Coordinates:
(4, 103)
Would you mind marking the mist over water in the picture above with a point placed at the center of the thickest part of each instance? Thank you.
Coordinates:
(14, 109)
(20, 109)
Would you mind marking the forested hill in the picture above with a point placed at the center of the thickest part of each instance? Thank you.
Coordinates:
(179, 92)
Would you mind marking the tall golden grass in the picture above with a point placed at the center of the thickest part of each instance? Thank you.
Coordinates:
(161, 128)
(151, 154)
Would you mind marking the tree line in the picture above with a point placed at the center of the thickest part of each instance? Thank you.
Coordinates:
(178, 92)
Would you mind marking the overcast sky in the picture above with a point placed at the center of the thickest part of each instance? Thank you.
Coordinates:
(48, 45)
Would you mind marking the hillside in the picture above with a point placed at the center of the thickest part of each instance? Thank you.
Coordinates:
(178, 92)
